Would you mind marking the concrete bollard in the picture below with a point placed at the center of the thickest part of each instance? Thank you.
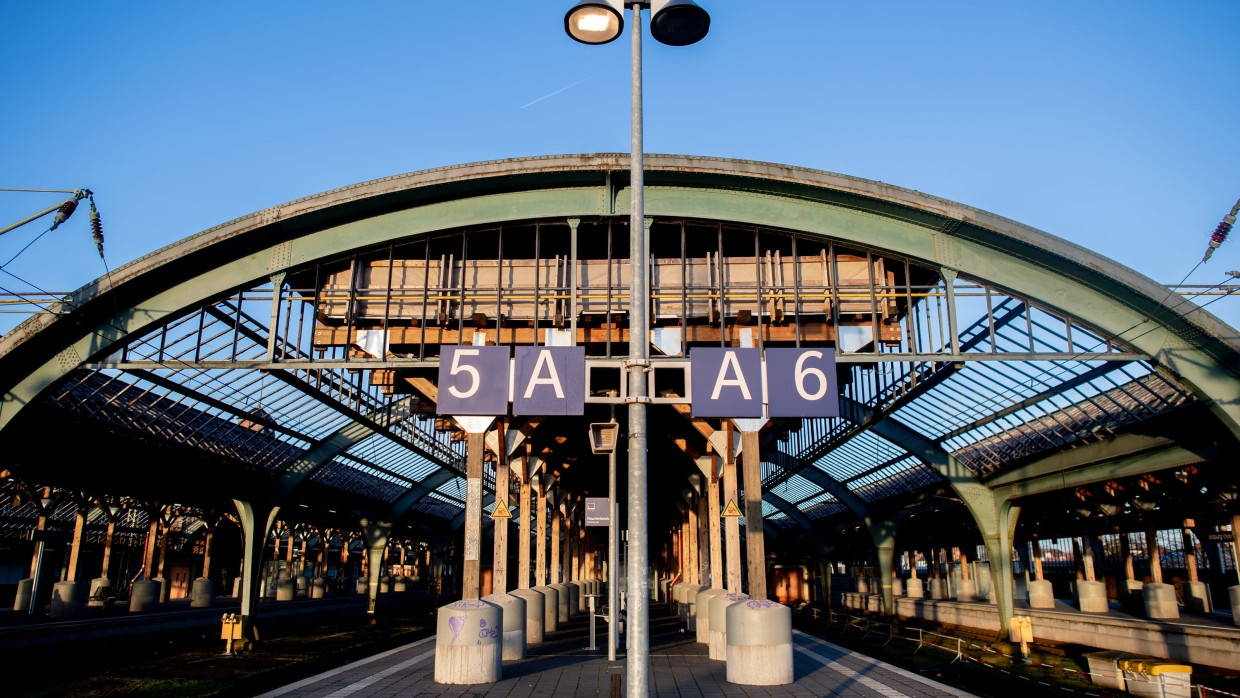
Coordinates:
(1091, 597)
(563, 599)
(863, 585)
(400, 585)
(759, 642)
(1041, 595)
(938, 589)
(681, 604)
(303, 586)
(286, 590)
(143, 596)
(1196, 597)
(576, 602)
(703, 613)
(513, 633)
(966, 590)
(551, 605)
(22, 602)
(468, 649)
(535, 614)
(663, 590)
(318, 588)
(68, 600)
(97, 584)
(1233, 595)
(385, 585)
(915, 589)
(691, 603)
(718, 645)
(897, 586)
(1160, 602)
(202, 593)
(362, 586)
(164, 588)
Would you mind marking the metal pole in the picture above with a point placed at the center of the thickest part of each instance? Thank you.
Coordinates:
(613, 554)
(637, 662)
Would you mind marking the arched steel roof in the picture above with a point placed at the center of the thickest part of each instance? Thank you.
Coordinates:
(1193, 356)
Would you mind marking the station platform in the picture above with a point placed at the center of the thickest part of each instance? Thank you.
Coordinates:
(563, 666)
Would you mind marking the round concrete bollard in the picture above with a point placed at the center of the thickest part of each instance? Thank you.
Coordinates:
(202, 594)
(576, 601)
(1196, 597)
(68, 600)
(362, 586)
(286, 590)
(691, 603)
(663, 590)
(897, 586)
(551, 605)
(680, 604)
(966, 590)
(467, 643)
(143, 595)
(24, 588)
(303, 585)
(97, 584)
(1233, 595)
(164, 588)
(1041, 595)
(563, 598)
(938, 589)
(759, 642)
(513, 633)
(535, 614)
(915, 589)
(718, 645)
(863, 585)
(318, 588)
(1160, 602)
(385, 585)
(1091, 597)
(703, 613)
(400, 585)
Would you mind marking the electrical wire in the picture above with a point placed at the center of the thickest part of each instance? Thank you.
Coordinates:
(19, 252)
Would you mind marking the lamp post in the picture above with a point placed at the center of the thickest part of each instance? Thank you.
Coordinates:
(675, 23)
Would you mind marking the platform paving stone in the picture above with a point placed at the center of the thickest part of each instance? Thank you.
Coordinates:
(562, 666)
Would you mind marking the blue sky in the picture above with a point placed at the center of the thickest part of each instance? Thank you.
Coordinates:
(1112, 124)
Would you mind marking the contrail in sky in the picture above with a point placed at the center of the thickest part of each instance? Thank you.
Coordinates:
(562, 89)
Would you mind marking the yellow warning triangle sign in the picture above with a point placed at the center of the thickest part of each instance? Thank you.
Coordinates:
(501, 510)
(731, 510)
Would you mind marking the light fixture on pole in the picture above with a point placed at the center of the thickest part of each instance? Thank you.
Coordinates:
(676, 23)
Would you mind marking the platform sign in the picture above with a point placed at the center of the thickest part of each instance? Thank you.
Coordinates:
(550, 381)
(802, 383)
(473, 381)
(598, 511)
(726, 382)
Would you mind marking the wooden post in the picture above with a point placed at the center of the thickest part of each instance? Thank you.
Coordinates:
(712, 523)
(107, 545)
(754, 543)
(79, 527)
(1190, 551)
(523, 528)
(540, 539)
(691, 531)
(499, 567)
(1037, 559)
(206, 547)
(1235, 544)
(1155, 555)
(1125, 550)
(732, 525)
(701, 539)
(471, 576)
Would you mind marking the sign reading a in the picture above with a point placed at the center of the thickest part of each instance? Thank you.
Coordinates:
(802, 383)
(550, 381)
(726, 382)
(598, 511)
(473, 381)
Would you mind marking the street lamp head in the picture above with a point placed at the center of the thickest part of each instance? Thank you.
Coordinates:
(678, 22)
(595, 21)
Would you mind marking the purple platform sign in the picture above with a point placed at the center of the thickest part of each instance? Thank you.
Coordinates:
(726, 382)
(473, 381)
(550, 381)
(802, 383)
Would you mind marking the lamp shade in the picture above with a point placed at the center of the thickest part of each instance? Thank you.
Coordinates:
(678, 22)
(595, 21)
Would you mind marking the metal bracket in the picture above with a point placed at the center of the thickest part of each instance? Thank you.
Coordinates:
(630, 364)
(643, 399)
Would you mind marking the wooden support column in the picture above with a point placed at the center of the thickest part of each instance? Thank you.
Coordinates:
(691, 549)
(152, 536)
(1037, 559)
(1155, 555)
(1190, 552)
(712, 524)
(1125, 551)
(471, 576)
(732, 524)
(206, 546)
(540, 538)
(702, 540)
(523, 527)
(1087, 559)
(755, 545)
(499, 569)
(75, 554)
(1235, 543)
(555, 546)
(107, 546)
